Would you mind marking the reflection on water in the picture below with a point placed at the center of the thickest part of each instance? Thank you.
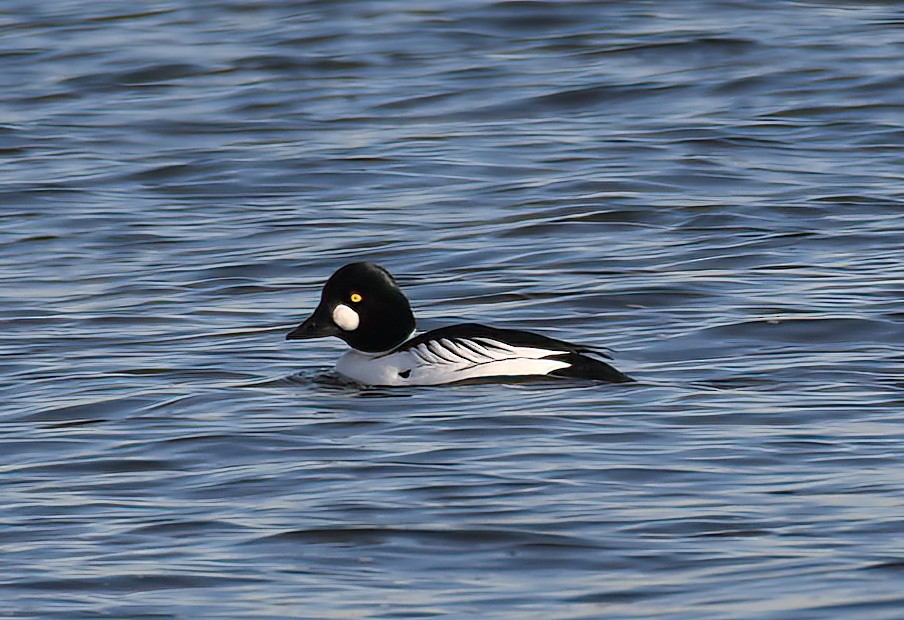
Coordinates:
(711, 190)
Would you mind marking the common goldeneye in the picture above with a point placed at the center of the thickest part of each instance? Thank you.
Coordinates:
(362, 304)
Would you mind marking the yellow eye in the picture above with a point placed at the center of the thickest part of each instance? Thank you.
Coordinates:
(355, 297)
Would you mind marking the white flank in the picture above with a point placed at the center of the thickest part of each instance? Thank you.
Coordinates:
(447, 361)
(346, 318)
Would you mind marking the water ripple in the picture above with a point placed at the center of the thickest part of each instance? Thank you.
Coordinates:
(711, 193)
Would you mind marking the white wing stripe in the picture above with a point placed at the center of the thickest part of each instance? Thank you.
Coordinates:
(463, 351)
(451, 349)
(437, 349)
(424, 353)
(536, 353)
(468, 354)
(495, 344)
(478, 348)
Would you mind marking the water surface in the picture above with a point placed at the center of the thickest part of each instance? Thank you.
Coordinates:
(712, 189)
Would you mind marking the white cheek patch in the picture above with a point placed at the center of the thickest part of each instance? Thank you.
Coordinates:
(346, 318)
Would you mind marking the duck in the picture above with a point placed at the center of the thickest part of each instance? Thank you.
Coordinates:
(362, 304)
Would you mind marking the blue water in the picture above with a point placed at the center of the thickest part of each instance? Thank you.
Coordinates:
(712, 189)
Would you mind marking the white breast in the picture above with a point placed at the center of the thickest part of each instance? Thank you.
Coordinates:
(375, 369)
(446, 361)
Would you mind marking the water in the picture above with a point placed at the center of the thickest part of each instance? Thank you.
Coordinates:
(713, 189)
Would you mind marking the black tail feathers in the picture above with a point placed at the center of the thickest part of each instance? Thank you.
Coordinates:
(585, 367)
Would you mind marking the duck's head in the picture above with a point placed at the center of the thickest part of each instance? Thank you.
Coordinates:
(361, 304)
